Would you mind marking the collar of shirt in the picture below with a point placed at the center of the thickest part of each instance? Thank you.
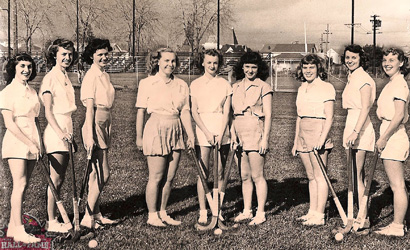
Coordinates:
(248, 84)
(96, 71)
(357, 71)
(19, 87)
(159, 79)
(398, 76)
(61, 77)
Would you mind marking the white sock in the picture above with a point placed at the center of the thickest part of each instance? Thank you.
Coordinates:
(163, 213)
(246, 211)
(203, 212)
(153, 215)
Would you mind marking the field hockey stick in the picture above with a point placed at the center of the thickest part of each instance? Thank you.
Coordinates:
(215, 190)
(86, 175)
(59, 203)
(350, 218)
(227, 172)
(335, 198)
(75, 197)
(206, 189)
(360, 220)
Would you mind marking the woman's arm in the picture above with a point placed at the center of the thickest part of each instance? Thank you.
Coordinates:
(187, 122)
(399, 107)
(89, 123)
(329, 108)
(267, 110)
(197, 118)
(365, 94)
(15, 130)
(139, 127)
(48, 100)
(294, 153)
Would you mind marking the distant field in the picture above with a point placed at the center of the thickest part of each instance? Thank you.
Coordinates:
(124, 197)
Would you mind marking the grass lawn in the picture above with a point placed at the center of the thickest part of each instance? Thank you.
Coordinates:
(124, 197)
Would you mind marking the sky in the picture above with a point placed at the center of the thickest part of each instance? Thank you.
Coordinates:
(261, 22)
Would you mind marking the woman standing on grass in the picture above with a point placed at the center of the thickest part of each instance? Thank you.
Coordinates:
(252, 108)
(20, 107)
(97, 95)
(166, 98)
(57, 94)
(393, 144)
(358, 97)
(315, 102)
(211, 104)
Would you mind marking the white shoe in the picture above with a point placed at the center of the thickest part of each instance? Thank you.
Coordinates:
(304, 217)
(89, 222)
(243, 216)
(258, 219)
(156, 222)
(392, 229)
(314, 221)
(104, 220)
(167, 219)
(20, 235)
(55, 226)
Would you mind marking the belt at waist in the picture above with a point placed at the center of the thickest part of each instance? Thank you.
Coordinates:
(163, 116)
(310, 117)
(102, 108)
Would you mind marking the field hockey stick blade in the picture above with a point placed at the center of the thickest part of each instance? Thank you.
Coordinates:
(86, 175)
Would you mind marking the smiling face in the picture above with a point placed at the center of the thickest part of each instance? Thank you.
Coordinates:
(64, 57)
(309, 72)
(391, 64)
(167, 63)
(211, 64)
(100, 58)
(250, 70)
(23, 71)
(352, 60)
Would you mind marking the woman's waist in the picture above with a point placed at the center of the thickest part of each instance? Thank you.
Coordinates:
(164, 116)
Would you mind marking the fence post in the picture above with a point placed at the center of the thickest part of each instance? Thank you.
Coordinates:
(276, 75)
(189, 70)
(271, 71)
(136, 69)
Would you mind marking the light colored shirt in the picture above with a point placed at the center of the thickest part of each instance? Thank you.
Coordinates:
(158, 96)
(311, 98)
(249, 98)
(210, 94)
(97, 85)
(396, 88)
(351, 97)
(59, 86)
(21, 99)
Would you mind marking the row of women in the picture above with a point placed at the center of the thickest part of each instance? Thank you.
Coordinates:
(315, 101)
(223, 115)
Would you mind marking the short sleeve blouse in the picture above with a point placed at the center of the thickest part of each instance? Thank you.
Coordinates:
(97, 85)
(249, 98)
(396, 88)
(21, 99)
(59, 86)
(210, 94)
(158, 96)
(311, 98)
(351, 97)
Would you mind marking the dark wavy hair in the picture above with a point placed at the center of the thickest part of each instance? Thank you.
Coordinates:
(252, 58)
(12, 63)
(51, 53)
(354, 48)
(94, 45)
(153, 58)
(404, 69)
(210, 52)
(311, 59)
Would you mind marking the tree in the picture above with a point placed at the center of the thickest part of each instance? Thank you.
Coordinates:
(377, 60)
(146, 21)
(199, 17)
(33, 15)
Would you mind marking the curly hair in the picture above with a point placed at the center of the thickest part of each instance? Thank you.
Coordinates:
(52, 50)
(354, 48)
(12, 63)
(252, 58)
(210, 52)
(311, 59)
(153, 59)
(404, 69)
(94, 45)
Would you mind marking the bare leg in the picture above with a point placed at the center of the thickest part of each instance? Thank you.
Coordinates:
(321, 186)
(247, 185)
(203, 154)
(58, 165)
(257, 163)
(156, 169)
(312, 181)
(173, 160)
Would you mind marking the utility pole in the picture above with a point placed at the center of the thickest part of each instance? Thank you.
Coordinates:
(377, 23)
(16, 43)
(352, 24)
(133, 33)
(321, 43)
(327, 33)
(217, 39)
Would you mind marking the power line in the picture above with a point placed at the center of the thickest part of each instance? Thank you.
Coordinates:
(377, 23)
